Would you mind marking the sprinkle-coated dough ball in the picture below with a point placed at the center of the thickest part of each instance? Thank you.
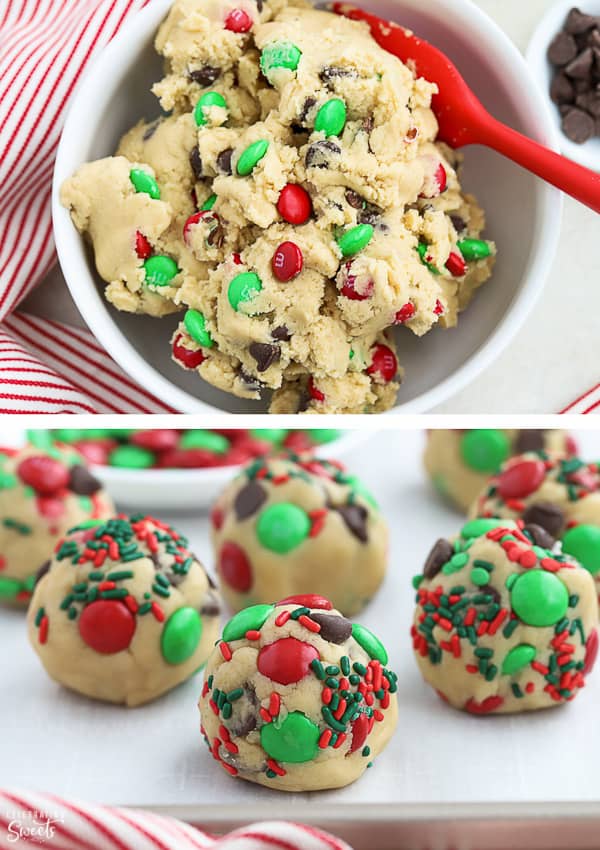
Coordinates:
(295, 524)
(559, 493)
(504, 623)
(43, 493)
(124, 612)
(459, 462)
(297, 697)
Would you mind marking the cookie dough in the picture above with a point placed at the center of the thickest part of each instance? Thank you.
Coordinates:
(294, 205)
(43, 493)
(124, 611)
(459, 462)
(504, 623)
(297, 697)
(559, 493)
(296, 524)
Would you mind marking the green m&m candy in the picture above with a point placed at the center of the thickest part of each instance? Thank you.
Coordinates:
(9, 588)
(370, 643)
(293, 740)
(181, 635)
(160, 270)
(144, 182)
(331, 117)
(324, 435)
(583, 543)
(7, 480)
(249, 619)
(355, 239)
(271, 435)
(484, 449)
(209, 203)
(474, 249)
(251, 156)
(208, 440)
(243, 288)
(479, 527)
(208, 99)
(282, 527)
(280, 54)
(518, 658)
(539, 598)
(131, 457)
(422, 250)
(195, 325)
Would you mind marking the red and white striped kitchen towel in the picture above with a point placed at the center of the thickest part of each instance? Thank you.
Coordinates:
(30, 819)
(46, 367)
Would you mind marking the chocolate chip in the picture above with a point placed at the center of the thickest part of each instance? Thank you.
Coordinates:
(529, 440)
(303, 401)
(82, 482)
(578, 126)
(590, 102)
(355, 517)
(249, 500)
(196, 163)
(548, 516)
(216, 231)
(150, 130)
(577, 22)
(319, 154)
(370, 215)
(561, 90)
(354, 199)
(174, 579)
(333, 629)
(259, 5)
(564, 108)
(42, 571)
(368, 124)
(562, 49)
(458, 222)
(440, 554)
(224, 161)
(306, 107)
(281, 333)
(581, 66)
(539, 536)
(490, 591)
(265, 354)
(332, 72)
(297, 128)
(252, 383)
(206, 75)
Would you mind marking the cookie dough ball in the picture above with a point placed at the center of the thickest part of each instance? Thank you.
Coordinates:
(558, 493)
(459, 462)
(124, 611)
(43, 493)
(504, 623)
(297, 697)
(293, 524)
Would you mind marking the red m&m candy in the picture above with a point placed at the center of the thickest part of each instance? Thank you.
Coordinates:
(383, 364)
(44, 474)
(157, 440)
(234, 567)
(142, 247)
(406, 312)
(349, 289)
(107, 626)
(286, 661)
(307, 600)
(188, 358)
(456, 264)
(238, 21)
(314, 392)
(294, 204)
(287, 261)
(520, 479)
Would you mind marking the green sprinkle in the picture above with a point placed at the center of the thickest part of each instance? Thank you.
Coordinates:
(39, 617)
(119, 575)
(366, 751)
(318, 669)
(456, 563)
(331, 721)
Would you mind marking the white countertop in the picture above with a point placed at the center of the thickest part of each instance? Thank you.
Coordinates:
(547, 365)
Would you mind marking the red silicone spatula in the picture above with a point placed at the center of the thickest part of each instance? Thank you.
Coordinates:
(464, 121)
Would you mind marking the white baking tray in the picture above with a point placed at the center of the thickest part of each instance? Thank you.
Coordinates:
(445, 780)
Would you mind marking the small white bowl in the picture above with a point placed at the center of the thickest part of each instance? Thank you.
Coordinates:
(550, 24)
(194, 490)
(523, 213)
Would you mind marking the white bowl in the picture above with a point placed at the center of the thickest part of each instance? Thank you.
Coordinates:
(194, 490)
(523, 213)
(587, 154)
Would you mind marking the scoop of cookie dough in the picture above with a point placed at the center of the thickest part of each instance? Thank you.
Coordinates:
(124, 611)
(459, 462)
(297, 697)
(295, 204)
(293, 524)
(559, 493)
(43, 493)
(504, 622)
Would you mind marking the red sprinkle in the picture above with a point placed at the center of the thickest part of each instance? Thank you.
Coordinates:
(307, 600)
(309, 624)
(287, 261)
(43, 632)
(252, 634)
(225, 650)
(325, 738)
(276, 768)
(294, 204)
(238, 21)
(265, 715)
(274, 704)
(340, 740)
(282, 618)
(142, 247)
(406, 312)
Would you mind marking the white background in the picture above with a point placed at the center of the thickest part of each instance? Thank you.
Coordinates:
(154, 755)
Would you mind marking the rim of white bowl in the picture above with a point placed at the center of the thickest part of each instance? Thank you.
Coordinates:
(544, 245)
(548, 26)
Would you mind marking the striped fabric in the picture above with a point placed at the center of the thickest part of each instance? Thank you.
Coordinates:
(29, 819)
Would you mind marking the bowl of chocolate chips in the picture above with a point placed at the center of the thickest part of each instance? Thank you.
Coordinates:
(564, 55)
